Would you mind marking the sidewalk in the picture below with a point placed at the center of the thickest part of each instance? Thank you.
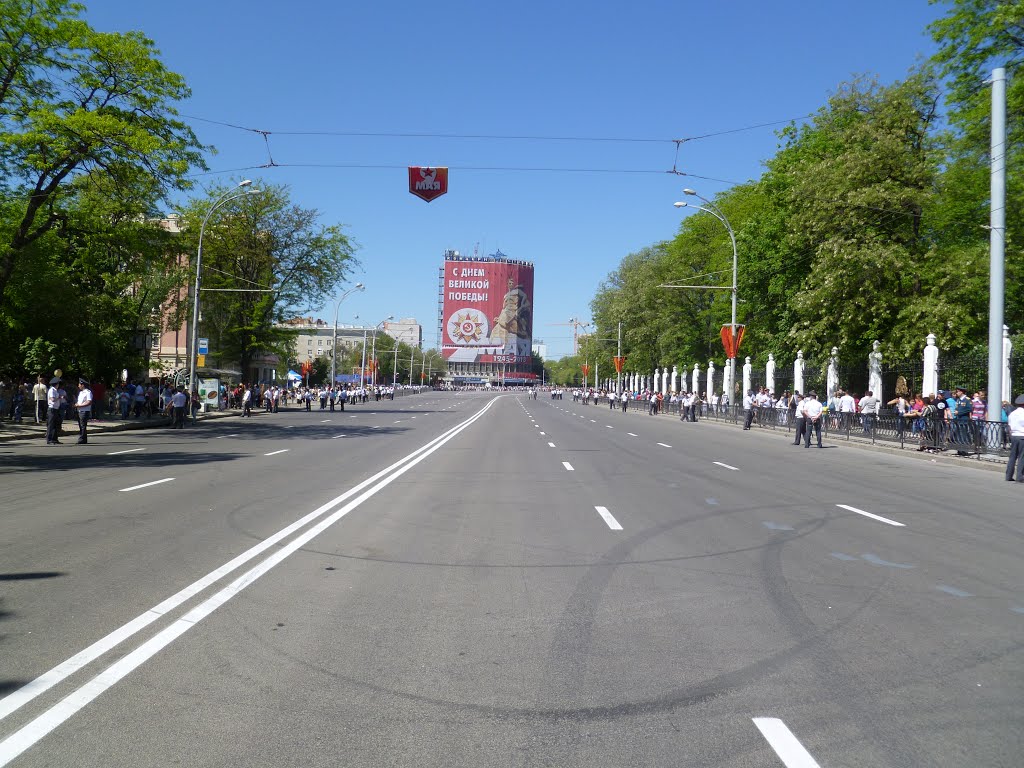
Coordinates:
(27, 429)
(984, 461)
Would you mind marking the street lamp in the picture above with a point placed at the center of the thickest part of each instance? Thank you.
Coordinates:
(334, 343)
(373, 355)
(227, 197)
(717, 213)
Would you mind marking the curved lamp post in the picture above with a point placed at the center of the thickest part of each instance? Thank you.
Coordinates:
(227, 197)
(334, 343)
(711, 208)
(373, 355)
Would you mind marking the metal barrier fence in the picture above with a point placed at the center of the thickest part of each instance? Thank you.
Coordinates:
(971, 437)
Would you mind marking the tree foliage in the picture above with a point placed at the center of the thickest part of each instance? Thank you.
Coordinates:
(89, 144)
(267, 259)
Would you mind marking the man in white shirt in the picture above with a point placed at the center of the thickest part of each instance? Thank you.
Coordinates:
(83, 406)
(847, 407)
(812, 418)
(39, 396)
(869, 409)
(54, 401)
(178, 402)
(247, 402)
(1015, 423)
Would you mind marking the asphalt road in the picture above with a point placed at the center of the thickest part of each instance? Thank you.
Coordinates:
(469, 580)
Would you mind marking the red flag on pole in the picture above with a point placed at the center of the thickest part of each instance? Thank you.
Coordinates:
(731, 340)
(586, 370)
(618, 363)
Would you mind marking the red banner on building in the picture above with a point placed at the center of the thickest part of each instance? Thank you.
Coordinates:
(618, 363)
(731, 341)
(427, 183)
(488, 312)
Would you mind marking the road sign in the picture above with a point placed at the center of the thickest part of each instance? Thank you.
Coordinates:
(204, 347)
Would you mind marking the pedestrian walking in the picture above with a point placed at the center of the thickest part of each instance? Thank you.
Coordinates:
(83, 407)
(1015, 424)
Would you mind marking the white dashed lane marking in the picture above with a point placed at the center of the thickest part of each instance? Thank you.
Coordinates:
(873, 517)
(146, 485)
(608, 518)
(567, 465)
(274, 453)
(727, 466)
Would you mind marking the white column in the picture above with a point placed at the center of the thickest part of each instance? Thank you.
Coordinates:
(727, 386)
(675, 379)
(695, 378)
(747, 369)
(657, 379)
(930, 380)
(664, 381)
(798, 373)
(1007, 383)
(769, 373)
(711, 378)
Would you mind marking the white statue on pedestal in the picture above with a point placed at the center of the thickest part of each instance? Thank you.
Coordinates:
(664, 381)
(711, 378)
(695, 379)
(657, 379)
(930, 380)
(769, 373)
(675, 378)
(832, 375)
(875, 371)
(798, 372)
(747, 369)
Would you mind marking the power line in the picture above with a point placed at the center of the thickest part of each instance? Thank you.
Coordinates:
(487, 136)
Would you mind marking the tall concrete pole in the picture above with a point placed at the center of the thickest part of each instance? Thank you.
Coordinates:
(618, 366)
(997, 243)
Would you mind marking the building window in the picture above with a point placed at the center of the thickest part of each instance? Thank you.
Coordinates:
(319, 352)
(319, 342)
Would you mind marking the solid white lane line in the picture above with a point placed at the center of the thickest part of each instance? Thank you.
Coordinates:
(274, 453)
(727, 466)
(664, 445)
(552, 445)
(631, 434)
(38, 728)
(873, 517)
(785, 744)
(337, 436)
(608, 518)
(130, 450)
(146, 485)
(567, 465)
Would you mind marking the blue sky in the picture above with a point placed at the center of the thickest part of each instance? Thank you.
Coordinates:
(645, 70)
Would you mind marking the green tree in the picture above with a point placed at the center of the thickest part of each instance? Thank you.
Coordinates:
(76, 103)
(276, 259)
